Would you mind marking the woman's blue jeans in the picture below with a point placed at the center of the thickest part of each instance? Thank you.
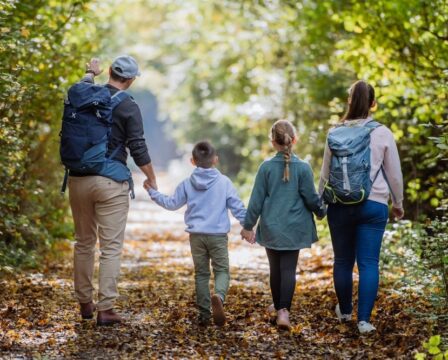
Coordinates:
(356, 233)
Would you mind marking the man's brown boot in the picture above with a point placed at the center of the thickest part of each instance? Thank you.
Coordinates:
(87, 310)
(108, 317)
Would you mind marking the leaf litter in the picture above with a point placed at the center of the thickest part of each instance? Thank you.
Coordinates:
(40, 319)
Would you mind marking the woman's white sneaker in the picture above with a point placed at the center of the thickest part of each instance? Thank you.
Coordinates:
(342, 317)
(364, 327)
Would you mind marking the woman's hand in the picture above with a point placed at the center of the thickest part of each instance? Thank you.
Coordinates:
(398, 213)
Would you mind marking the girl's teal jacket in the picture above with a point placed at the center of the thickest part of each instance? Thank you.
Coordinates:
(284, 208)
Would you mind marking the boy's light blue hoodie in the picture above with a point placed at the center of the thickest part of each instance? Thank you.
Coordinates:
(208, 195)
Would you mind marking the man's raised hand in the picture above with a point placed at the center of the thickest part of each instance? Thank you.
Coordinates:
(94, 66)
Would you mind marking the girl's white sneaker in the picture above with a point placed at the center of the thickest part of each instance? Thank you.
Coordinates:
(342, 317)
(364, 327)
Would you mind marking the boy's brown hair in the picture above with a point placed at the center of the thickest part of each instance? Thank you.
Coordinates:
(204, 154)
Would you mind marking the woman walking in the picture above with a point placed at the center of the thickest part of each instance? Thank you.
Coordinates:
(360, 172)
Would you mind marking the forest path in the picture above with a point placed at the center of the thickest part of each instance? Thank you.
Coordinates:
(39, 316)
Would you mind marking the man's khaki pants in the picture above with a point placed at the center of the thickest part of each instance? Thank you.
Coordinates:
(100, 208)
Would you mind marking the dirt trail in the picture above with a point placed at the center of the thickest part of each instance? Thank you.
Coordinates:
(39, 316)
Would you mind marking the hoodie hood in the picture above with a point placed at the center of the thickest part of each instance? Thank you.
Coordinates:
(203, 179)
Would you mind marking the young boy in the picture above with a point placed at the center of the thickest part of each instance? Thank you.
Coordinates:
(208, 195)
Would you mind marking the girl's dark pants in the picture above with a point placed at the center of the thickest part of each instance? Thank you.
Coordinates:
(282, 265)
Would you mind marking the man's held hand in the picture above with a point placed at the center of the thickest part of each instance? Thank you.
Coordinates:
(150, 184)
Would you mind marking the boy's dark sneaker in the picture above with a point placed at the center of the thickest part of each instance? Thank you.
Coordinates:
(219, 317)
(202, 321)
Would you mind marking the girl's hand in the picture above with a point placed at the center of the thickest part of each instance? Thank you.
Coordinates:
(248, 235)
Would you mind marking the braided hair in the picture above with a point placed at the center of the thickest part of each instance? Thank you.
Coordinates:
(283, 133)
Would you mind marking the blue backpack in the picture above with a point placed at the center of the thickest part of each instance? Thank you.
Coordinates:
(349, 180)
(85, 133)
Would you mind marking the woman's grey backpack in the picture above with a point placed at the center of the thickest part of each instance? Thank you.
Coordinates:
(349, 180)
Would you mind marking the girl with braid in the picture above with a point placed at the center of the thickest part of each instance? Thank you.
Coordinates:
(283, 199)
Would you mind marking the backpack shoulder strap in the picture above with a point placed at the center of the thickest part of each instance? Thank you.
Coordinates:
(118, 97)
(372, 124)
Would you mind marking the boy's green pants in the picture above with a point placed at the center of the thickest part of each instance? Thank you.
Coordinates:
(203, 249)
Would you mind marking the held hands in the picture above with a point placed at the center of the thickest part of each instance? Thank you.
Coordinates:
(248, 235)
(150, 184)
(94, 66)
(322, 211)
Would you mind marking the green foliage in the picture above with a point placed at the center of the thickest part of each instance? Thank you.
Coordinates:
(225, 70)
(417, 255)
(435, 249)
(43, 47)
(230, 68)
(401, 46)
(432, 347)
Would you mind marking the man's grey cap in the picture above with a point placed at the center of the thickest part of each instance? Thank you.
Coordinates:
(125, 66)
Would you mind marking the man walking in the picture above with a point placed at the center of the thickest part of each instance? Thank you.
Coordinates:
(100, 205)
